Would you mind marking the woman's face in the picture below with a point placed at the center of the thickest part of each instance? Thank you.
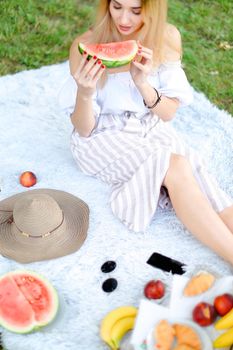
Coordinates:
(126, 15)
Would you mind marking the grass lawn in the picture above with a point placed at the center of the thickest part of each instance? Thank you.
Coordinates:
(34, 33)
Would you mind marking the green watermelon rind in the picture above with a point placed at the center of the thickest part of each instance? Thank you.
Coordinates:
(108, 62)
(35, 326)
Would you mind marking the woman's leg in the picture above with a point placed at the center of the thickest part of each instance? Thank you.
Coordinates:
(194, 210)
(227, 217)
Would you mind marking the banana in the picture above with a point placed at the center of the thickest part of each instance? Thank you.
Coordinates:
(225, 322)
(225, 339)
(111, 318)
(120, 328)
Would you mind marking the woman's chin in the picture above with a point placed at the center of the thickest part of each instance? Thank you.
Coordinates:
(127, 36)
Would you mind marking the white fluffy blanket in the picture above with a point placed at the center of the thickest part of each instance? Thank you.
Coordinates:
(34, 135)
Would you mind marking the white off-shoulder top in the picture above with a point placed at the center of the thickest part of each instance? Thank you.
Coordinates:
(120, 94)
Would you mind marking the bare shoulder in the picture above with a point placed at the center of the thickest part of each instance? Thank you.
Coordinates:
(75, 56)
(173, 43)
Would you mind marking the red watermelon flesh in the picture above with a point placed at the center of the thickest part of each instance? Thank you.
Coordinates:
(27, 301)
(113, 55)
(17, 313)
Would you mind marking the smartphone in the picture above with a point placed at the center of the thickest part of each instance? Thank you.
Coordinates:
(166, 264)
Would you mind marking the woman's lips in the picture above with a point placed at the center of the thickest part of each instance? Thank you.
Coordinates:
(125, 29)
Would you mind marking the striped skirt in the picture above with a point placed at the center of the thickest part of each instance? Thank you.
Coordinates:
(134, 162)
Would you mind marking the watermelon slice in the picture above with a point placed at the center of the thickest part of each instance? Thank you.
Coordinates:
(27, 301)
(113, 55)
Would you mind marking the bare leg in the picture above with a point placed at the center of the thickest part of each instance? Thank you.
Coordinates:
(194, 210)
(227, 217)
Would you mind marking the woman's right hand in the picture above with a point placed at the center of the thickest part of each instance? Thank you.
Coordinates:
(87, 74)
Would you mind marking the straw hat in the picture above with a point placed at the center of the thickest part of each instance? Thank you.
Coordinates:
(42, 224)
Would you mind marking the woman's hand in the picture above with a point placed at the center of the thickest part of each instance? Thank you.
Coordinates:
(140, 70)
(87, 74)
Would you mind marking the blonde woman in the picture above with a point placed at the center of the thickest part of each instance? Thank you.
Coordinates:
(122, 133)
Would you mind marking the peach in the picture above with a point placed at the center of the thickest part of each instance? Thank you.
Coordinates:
(27, 179)
(204, 314)
(223, 303)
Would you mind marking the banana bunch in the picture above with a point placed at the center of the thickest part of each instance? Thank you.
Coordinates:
(225, 339)
(116, 324)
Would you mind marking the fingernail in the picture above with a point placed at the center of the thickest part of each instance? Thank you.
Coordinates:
(99, 62)
(95, 57)
(103, 66)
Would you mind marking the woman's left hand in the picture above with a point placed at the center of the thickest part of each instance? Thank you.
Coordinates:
(140, 70)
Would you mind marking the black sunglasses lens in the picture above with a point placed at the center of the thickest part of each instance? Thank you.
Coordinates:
(108, 266)
(109, 285)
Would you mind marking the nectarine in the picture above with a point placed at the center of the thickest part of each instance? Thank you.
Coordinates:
(204, 314)
(27, 179)
(154, 289)
(223, 303)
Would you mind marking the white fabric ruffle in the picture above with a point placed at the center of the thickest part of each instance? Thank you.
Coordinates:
(120, 93)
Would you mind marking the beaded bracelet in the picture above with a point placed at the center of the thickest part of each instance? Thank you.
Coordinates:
(156, 102)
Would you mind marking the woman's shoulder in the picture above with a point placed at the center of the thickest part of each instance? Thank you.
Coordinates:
(75, 56)
(172, 31)
(172, 43)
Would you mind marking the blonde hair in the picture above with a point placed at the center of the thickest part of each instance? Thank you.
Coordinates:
(151, 34)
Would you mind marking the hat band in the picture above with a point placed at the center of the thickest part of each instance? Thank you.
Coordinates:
(25, 234)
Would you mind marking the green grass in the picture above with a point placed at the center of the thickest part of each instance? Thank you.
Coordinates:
(34, 33)
(205, 26)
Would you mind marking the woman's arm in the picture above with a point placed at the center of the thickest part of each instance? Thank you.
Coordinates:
(83, 117)
(167, 106)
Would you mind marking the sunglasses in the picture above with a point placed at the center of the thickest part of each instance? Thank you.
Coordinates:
(1, 343)
(110, 284)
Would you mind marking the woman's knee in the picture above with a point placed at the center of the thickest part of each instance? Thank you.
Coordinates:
(179, 170)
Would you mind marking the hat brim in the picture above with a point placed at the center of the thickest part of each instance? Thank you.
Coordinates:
(65, 240)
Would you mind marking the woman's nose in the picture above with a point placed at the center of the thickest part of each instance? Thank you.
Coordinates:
(125, 18)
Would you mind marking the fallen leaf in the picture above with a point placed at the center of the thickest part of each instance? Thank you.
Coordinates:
(225, 45)
(214, 72)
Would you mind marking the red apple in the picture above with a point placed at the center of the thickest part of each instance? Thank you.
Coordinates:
(154, 289)
(27, 179)
(223, 303)
(204, 314)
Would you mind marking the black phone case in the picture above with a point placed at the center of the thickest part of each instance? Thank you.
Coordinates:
(166, 264)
